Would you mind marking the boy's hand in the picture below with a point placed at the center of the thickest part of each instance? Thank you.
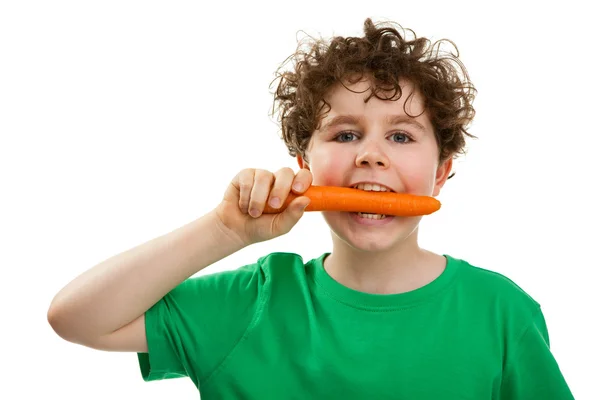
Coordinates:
(246, 196)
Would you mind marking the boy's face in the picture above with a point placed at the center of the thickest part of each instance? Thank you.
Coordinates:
(378, 142)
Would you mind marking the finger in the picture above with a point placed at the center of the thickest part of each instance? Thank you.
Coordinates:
(281, 187)
(263, 181)
(302, 181)
(244, 182)
(285, 221)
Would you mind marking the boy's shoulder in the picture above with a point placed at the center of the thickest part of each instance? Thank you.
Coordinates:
(268, 266)
(482, 282)
(280, 265)
(281, 258)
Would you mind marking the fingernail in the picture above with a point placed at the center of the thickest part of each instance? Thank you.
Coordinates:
(254, 212)
(275, 202)
(297, 186)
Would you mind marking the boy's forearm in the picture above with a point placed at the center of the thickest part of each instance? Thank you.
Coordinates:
(120, 289)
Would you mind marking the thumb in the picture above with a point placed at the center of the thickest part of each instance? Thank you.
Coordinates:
(292, 214)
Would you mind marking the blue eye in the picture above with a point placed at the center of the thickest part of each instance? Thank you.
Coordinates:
(403, 138)
(348, 136)
(345, 137)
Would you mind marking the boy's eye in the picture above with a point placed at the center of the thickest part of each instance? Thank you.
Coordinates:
(401, 138)
(349, 136)
(345, 137)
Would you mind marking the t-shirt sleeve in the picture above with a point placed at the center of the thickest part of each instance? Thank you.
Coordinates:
(532, 372)
(192, 329)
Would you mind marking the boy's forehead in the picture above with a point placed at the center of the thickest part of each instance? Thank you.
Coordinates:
(357, 99)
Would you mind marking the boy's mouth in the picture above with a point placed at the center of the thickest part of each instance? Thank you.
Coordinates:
(372, 216)
(372, 187)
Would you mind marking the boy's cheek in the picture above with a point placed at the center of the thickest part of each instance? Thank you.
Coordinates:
(329, 174)
(325, 179)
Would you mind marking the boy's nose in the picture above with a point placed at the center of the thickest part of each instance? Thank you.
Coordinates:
(372, 158)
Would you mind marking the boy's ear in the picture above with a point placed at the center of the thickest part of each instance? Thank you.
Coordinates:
(301, 162)
(441, 176)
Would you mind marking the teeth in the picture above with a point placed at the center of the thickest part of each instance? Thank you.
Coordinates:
(371, 216)
(371, 187)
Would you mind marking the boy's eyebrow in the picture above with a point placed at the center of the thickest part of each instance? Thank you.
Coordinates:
(397, 119)
(391, 119)
(341, 120)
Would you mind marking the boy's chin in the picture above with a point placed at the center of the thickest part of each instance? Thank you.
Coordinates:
(370, 243)
(374, 240)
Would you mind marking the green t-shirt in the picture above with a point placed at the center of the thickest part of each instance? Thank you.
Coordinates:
(284, 329)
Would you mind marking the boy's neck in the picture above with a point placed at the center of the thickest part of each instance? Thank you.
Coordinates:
(399, 271)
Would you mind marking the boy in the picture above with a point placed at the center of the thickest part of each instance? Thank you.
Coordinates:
(378, 317)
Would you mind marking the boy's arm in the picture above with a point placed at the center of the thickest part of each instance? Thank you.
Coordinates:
(104, 307)
(532, 371)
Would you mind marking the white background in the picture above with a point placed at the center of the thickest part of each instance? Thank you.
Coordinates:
(123, 120)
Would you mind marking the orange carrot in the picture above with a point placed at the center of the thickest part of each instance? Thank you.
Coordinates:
(334, 198)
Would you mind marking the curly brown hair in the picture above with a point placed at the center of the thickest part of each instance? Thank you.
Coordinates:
(386, 57)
